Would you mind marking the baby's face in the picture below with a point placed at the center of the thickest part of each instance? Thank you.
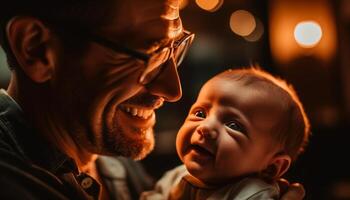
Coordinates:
(228, 130)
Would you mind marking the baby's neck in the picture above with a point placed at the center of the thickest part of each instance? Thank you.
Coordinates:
(197, 182)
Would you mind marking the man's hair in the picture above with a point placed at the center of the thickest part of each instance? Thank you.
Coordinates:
(293, 130)
(85, 14)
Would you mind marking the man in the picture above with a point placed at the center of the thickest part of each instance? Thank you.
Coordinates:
(87, 77)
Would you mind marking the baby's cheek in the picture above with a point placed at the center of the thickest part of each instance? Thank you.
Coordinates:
(183, 138)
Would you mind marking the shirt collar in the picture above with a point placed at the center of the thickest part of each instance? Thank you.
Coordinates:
(27, 142)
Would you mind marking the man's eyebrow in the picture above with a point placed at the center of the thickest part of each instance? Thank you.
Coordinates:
(162, 42)
(155, 44)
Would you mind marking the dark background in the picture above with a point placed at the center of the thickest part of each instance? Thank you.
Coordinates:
(323, 84)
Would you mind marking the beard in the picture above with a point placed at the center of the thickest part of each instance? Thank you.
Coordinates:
(119, 143)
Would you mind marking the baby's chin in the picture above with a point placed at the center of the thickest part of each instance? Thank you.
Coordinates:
(198, 172)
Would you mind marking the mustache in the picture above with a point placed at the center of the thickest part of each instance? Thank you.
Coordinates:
(146, 100)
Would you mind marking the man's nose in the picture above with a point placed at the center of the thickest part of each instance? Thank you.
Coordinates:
(167, 85)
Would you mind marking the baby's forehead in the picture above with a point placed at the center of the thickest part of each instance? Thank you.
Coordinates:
(256, 97)
(252, 84)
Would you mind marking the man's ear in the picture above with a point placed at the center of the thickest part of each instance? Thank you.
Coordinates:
(29, 40)
(278, 165)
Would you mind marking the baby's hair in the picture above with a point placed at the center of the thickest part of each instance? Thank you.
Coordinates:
(294, 130)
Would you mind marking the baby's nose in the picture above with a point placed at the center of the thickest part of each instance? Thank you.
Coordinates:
(207, 131)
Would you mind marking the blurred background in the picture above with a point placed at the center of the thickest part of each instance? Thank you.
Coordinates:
(306, 42)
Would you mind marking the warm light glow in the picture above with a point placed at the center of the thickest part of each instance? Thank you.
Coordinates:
(183, 4)
(307, 33)
(242, 22)
(209, 5)
(257, 33)
(285, 15)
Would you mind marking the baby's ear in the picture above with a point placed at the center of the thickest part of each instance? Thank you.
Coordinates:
(279, 164)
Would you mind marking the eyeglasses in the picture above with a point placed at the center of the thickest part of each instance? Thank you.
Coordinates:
(154, 62)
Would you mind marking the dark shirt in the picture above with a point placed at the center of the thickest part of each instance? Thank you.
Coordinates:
(31, 168)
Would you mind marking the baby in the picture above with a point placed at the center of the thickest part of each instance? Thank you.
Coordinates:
(242, 134)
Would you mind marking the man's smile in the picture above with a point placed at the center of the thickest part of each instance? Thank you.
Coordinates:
(138, 117)
(143, 113)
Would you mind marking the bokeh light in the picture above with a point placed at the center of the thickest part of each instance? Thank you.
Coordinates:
(257, 33)
(283, 18)
(307, 33)
(210, 5)
(242, 22)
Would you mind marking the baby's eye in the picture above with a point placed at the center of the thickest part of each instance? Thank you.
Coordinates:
(200, 113)
(235, 126)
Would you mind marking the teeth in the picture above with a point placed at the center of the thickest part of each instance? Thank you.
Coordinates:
(139, 112)
(147, 112)
(133, 111)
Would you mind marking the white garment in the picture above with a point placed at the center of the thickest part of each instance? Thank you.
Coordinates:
(246, 189)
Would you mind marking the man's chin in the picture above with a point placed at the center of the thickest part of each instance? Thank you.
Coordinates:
(142, 152)
(138, 150)
(127, 145)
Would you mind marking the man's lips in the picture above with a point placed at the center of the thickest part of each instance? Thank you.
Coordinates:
(128, 120)
(144, 101)
(143, 113)
(141, 110)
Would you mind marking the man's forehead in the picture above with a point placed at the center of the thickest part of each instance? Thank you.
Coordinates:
(140, 22)
(174, 3)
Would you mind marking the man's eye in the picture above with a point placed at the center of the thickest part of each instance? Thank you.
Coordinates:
(200, 114)
(235, 126)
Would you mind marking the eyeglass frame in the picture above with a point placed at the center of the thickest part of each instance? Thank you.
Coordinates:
(117, 47)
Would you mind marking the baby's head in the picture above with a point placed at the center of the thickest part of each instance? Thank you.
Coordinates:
(243, 122)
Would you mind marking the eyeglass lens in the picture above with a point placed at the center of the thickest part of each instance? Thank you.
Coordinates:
(157, 61)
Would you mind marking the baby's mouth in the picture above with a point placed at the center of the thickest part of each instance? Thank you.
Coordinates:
(202, 150)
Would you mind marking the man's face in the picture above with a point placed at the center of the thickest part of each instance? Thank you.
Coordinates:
(227, 133)
(97, 95)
